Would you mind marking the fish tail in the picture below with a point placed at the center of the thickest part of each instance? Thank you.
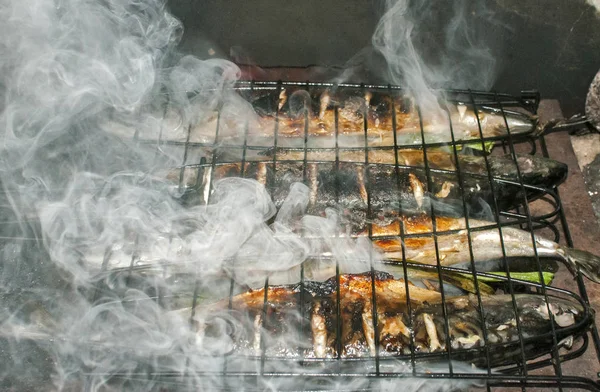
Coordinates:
(588, 264)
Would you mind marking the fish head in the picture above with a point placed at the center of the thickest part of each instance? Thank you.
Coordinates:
(497, 121)
(519, 122)
(533, 171)
(492, 121)
(535, 312)
(541, 171)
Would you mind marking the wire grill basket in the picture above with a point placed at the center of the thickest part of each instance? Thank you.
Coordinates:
(202, 158)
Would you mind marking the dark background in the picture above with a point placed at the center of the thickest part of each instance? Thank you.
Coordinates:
(549, 45)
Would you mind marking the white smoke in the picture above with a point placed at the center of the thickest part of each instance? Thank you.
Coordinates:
(86, 198)
(69, 68)
(595, 4)
(428, 46)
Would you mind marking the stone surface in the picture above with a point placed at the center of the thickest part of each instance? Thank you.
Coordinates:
(592, 179)
(583, 226)
(592, 102)
(586, 147)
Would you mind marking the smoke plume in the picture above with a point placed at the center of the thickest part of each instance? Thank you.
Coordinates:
(80, 202)
(432, 45)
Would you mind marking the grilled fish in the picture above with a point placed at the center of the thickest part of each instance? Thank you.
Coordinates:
(372, 115)
(534, 170)
(453, 247)
(305, 320)
(293, 115)
(378, 193)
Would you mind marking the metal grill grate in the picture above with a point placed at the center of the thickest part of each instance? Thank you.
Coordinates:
(521, 375)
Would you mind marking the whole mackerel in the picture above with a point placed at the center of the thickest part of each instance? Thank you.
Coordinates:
(324, 118)
(452, 239)
(374, 116)
(379, 192)
(306, 321)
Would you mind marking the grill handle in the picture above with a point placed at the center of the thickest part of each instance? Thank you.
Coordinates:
(581, 124)
(576, 125)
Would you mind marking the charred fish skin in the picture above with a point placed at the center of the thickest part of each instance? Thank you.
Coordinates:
(366, 193)
(316, 326)
(318, 331)
(532, 170)
(535, 170)
(388, 186)
(348, 188)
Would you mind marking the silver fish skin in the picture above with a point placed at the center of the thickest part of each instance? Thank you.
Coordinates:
(486, 245)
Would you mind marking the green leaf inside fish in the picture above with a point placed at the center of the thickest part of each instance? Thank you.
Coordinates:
(466, 282)
(533, 277)
(462, 281)
(477, 146)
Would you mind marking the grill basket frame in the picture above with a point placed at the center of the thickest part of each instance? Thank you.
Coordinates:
(517, 376)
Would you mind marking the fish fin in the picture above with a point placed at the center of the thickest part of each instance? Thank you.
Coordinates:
(566, 342)
(588, 263)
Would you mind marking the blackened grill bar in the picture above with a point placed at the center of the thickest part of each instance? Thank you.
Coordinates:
(517, 374)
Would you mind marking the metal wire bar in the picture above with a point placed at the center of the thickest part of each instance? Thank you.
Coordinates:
(338, 299)
(402, 239)
(470, 245)
(252, 384)
(497, 217)
(533, 381)
(374, 314)
(556, 362)
(539, 364)
(465, 143)
(436, 245)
